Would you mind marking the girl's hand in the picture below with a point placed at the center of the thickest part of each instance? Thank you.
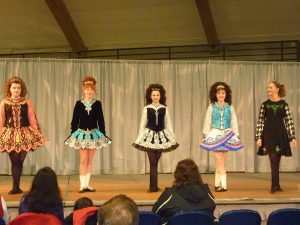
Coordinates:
(294, 144)
(258, 142)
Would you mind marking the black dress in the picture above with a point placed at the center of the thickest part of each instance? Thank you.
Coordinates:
(87, 126)
(156, 132)
(275, 127)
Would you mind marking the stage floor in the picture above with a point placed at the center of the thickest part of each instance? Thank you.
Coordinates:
(243, 188)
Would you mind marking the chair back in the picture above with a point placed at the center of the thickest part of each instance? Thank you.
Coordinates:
(2, 222)
(289, 216)
(31, 218)
(238, 217)
(191, 218)
(149, 218)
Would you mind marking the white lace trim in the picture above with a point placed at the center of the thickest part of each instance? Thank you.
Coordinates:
(90, 144)
(145, 139)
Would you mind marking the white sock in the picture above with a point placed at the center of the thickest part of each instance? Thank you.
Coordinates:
(82, 179)
(87, 180)
(217, 179)
(223, 180)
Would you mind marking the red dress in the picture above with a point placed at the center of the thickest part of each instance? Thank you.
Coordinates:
(19, 129)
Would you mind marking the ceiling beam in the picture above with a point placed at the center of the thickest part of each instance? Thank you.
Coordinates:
(64, 20)
(207, 22)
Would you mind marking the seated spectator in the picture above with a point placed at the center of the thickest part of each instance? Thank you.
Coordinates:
(120, 210)
(88, 216)
(188, 193)
(3, 210)
(44, 195)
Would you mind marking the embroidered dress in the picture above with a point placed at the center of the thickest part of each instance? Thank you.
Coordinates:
(221, 129)
(19, 129)
(156, 133)
(88, 126)
(275, 127)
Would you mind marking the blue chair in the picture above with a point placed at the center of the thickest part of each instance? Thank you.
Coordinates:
(191, 218)
(149, 218)
(2, 222)
(289, 216)
(240, 217)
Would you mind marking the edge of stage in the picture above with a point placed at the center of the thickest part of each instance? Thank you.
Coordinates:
(245, 191)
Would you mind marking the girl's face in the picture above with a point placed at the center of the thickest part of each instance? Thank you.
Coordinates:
(272, 90)
(221, 95)
(89, 93)
(15, 90)
(155, 97)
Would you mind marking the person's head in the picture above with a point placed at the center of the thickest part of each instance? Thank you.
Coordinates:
(276, 89)
(83, 203)
(120, 210)
(187, 172)
(155, 94)
(44, 194)
(88, 85)
(219, 92)
(15, 88)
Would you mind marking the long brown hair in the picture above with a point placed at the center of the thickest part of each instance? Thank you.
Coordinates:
(220, 86)
(156, 87)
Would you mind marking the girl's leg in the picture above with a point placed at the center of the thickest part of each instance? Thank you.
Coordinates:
(153, 160)
(17, 160)
(220, 170)
(90, 156)
(275, 162)
(83, 159)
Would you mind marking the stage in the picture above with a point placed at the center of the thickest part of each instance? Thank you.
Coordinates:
(245, 190)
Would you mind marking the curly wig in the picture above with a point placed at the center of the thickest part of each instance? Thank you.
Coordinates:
(155, 87)
(217, 87)
(89, 82)
(14, 80)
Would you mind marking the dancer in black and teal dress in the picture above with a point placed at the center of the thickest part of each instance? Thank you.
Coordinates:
(87, 132)
(156, 134)
(220, 132)
(275, 130)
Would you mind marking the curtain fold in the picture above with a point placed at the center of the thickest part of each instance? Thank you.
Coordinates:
(55, 85)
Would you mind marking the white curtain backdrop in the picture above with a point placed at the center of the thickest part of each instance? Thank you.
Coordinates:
(55, 85)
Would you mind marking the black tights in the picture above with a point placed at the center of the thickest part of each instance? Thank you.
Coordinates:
(275, 162)
(153, 160)
(17, 160)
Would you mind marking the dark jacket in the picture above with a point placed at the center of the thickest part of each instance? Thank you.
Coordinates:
(189, 197)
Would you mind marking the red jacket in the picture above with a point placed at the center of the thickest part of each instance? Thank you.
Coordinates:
(81, 215)
(31, 218)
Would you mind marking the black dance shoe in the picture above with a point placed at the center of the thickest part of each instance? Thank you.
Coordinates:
(89, 189)
(276, 189)
(81, 190)
(15, 191)
(220, 189)
(156, 189)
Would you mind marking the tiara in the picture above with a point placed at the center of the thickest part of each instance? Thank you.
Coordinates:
(88, 82)
(276, 82)
(16, 79)
(220, 87)
(155, 89)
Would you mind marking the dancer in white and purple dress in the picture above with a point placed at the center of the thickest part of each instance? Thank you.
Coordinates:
(220, 132)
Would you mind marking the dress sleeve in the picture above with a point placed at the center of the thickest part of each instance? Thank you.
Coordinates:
(260, 122)
(31, 116)
(168, 123)
(289, 123)
(2, 114)
(100, 119)
(75, 118)
(208, 121)
(234, 123)
(143, 122)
